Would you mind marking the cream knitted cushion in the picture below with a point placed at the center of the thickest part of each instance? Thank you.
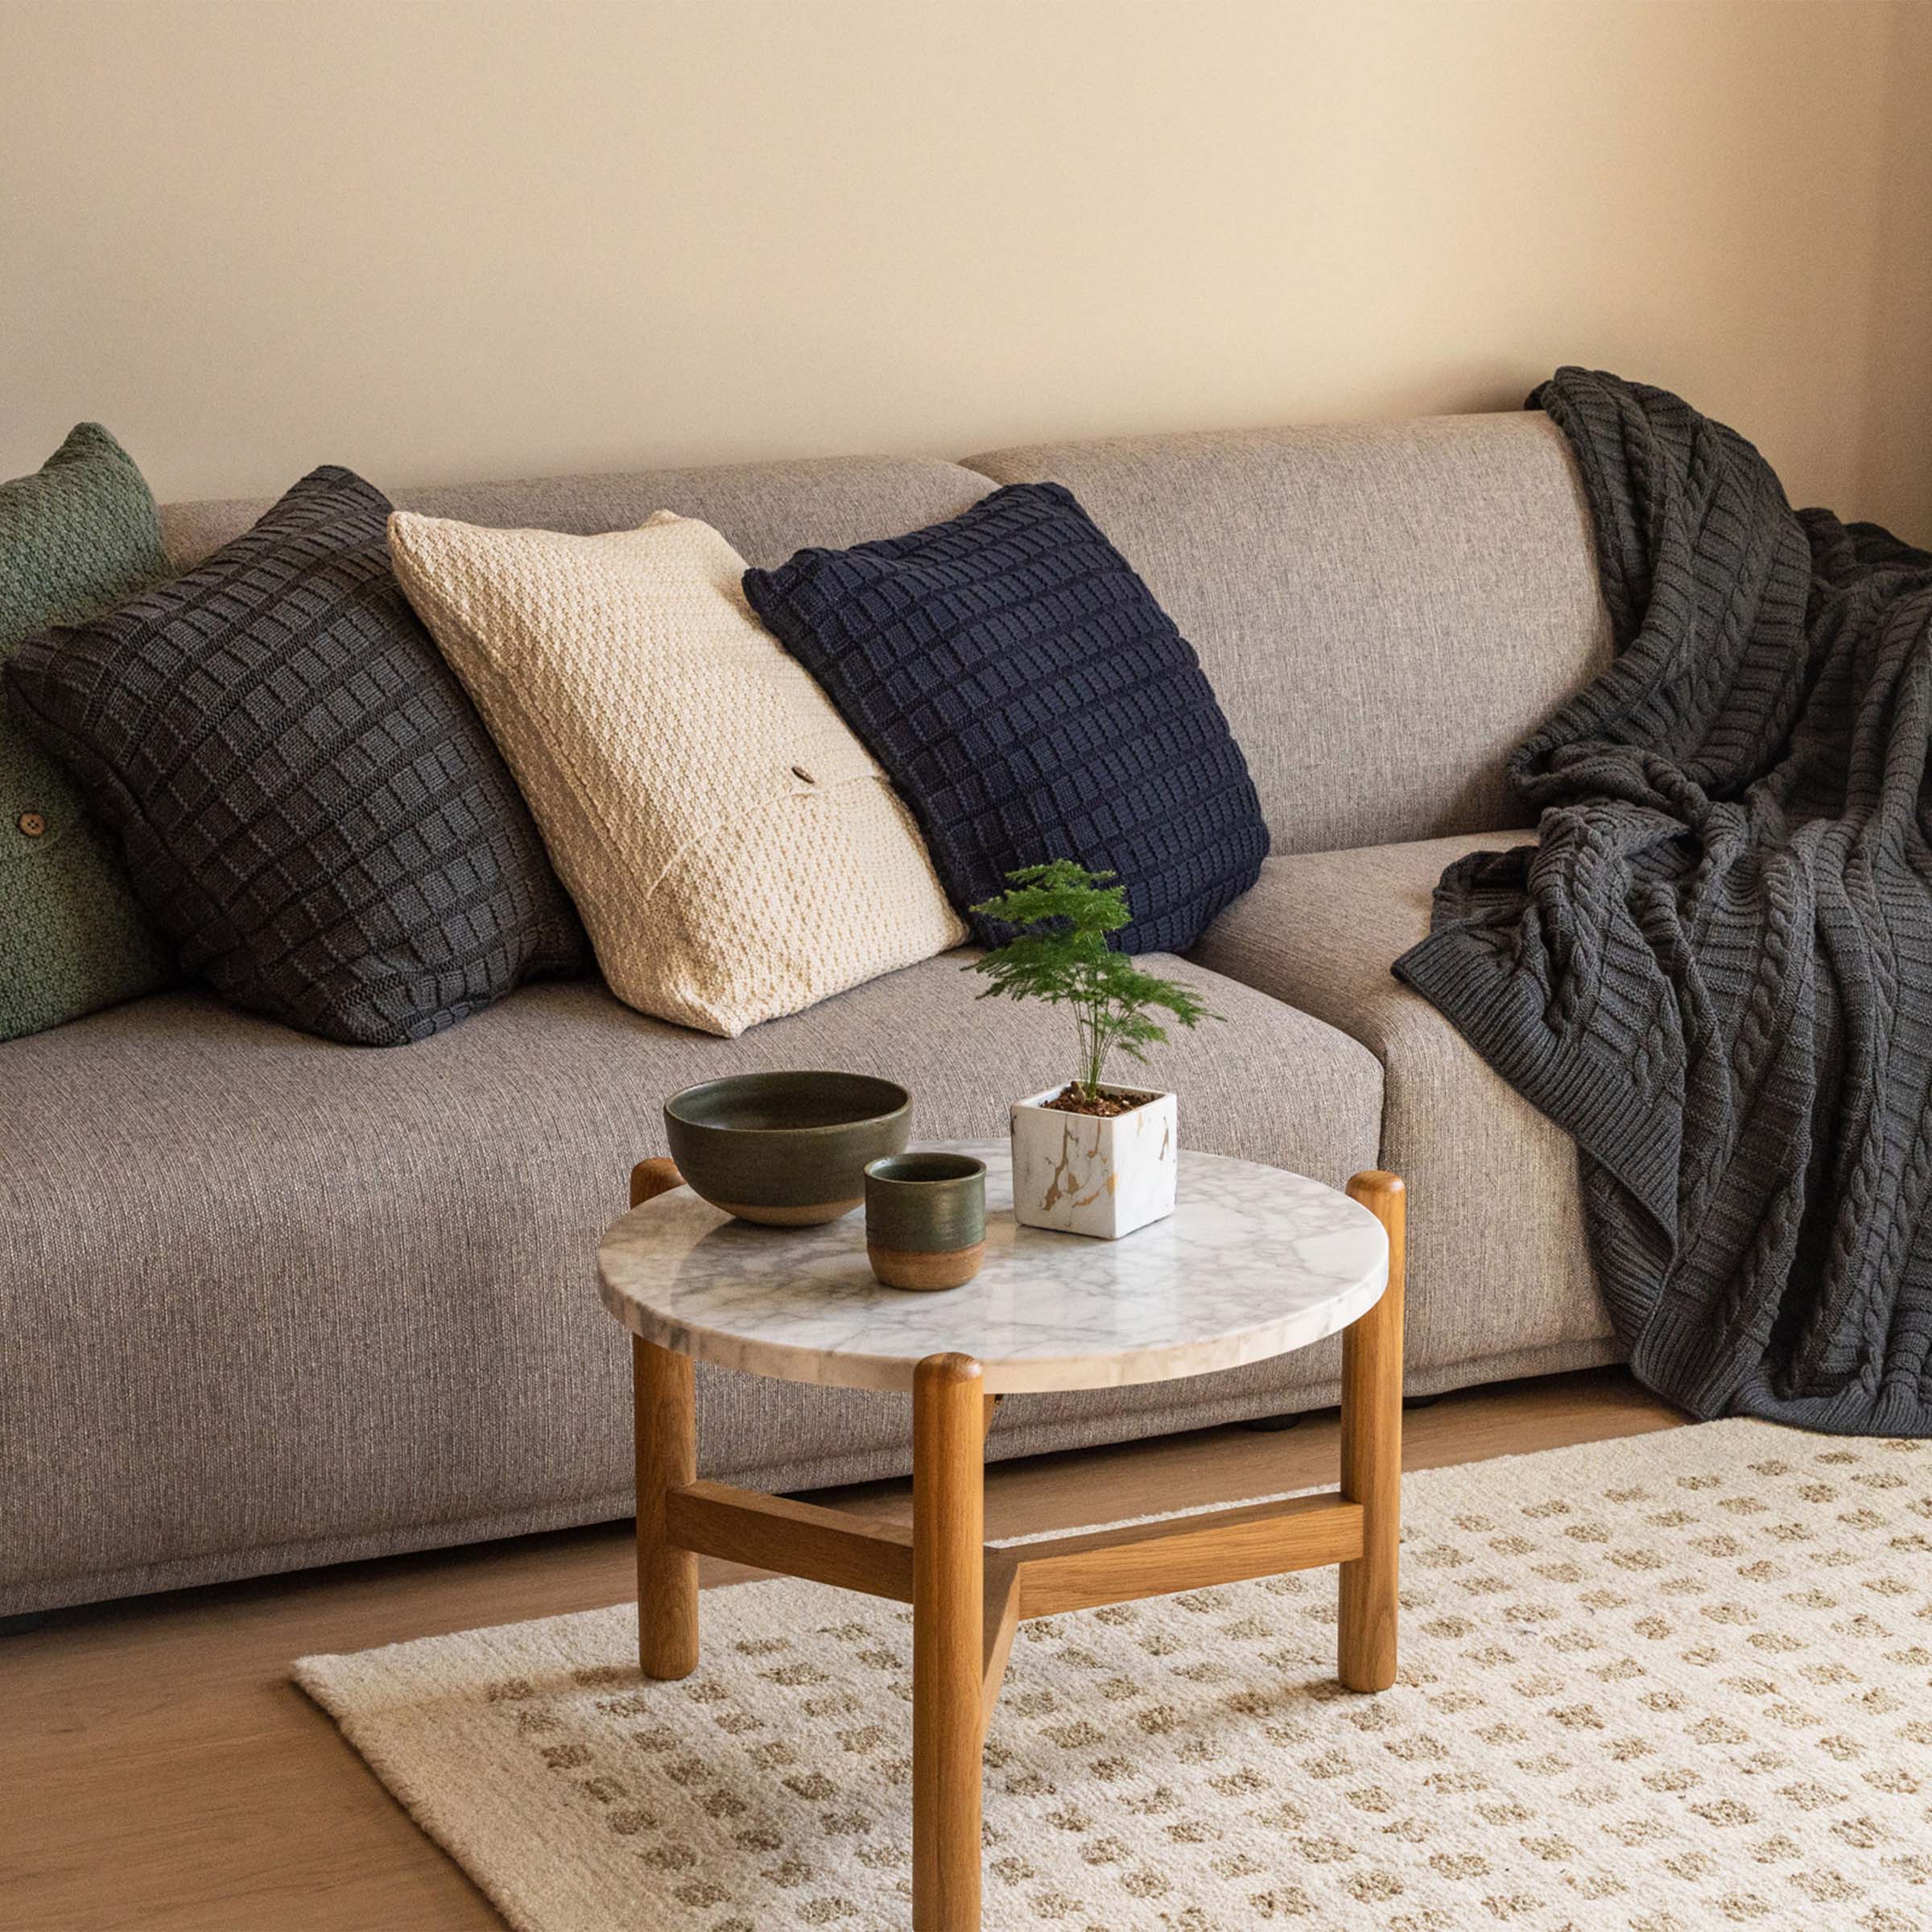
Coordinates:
(735, 852)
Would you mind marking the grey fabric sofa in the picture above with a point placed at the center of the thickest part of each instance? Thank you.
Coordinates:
(267, 1301)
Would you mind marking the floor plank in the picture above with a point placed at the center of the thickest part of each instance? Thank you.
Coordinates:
(158, 1770)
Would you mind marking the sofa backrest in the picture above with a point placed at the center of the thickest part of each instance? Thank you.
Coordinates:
(767, 510)
(1384, 609)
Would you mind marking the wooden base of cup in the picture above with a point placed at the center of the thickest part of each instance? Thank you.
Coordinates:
(899, 1268)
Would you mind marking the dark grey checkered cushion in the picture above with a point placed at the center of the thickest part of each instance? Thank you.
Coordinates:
(308, 804)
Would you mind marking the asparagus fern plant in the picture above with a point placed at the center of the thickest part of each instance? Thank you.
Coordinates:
(1061, 955)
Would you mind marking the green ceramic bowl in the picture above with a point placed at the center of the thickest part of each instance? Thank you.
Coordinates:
(788, 1150)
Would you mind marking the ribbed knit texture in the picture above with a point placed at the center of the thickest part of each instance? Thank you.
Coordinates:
(1715, 968)
(1031, 701)
(76, 537)
(309, 806)
(735, 852)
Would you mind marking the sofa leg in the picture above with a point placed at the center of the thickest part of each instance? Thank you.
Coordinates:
(1371, 1456)
(18, 1625)
(1270, 1425)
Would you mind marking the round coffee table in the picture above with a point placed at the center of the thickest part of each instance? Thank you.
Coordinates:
(1252, 1262)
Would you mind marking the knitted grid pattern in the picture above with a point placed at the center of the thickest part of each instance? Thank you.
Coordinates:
(1715, 968)
(1032, 701)
(76, 537)
(309, 806)
(735, 853)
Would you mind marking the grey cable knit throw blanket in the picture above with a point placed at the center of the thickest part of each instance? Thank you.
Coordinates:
(1714, 969)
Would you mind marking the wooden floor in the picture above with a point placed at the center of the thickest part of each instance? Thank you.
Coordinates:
(158, 1770)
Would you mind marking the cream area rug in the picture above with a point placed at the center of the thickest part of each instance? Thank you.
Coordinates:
(1675, 1683)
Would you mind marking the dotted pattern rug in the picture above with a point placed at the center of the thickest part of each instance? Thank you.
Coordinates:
(1678, 1682)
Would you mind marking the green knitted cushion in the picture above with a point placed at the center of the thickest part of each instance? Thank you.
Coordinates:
(75, 538)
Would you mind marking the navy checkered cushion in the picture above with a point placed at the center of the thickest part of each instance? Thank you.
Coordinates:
(1031, 701)
(309, 806)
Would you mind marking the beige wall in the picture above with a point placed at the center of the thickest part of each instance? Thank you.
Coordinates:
(439, 241)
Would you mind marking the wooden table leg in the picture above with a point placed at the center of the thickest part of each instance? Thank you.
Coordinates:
(664, 1396)
(664, 1422)
(948, 1546)
(1371, 1456)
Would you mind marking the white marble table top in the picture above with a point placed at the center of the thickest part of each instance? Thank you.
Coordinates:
(1253, 1261)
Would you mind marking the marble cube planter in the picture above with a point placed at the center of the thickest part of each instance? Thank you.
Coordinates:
(1088, 1175)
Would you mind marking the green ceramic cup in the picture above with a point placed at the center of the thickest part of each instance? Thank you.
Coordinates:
(925, 1219)
(788, 1150)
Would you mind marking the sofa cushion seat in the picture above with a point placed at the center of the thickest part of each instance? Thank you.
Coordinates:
(1497, 1259)
(269, 1301)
